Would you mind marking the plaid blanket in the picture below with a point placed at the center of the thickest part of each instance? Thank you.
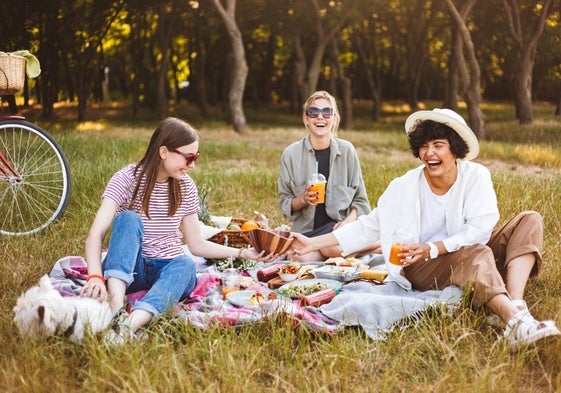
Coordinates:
(378, 309)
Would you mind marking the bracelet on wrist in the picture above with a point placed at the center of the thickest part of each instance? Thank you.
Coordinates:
(98, 276)
(240, 252)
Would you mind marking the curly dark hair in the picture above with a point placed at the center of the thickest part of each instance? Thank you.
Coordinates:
(429, 130)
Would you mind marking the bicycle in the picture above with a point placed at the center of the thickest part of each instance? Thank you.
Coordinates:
(35, 180)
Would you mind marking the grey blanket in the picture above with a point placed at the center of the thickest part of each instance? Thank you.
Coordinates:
(378, 308)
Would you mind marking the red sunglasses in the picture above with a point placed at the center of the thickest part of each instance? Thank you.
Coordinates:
(189, 158)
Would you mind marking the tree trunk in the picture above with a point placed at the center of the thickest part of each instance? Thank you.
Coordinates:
(164, 34)
(300, 70)
(323, 39)
(239, 66)
(372, 86)
(452, 85)
(523, 90)
(471, 79)
(346, 90)
(525, 55)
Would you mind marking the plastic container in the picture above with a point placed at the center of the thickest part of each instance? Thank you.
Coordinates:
(230, 282)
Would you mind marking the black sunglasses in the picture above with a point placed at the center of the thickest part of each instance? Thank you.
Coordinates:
(313, 112)
(189, 158)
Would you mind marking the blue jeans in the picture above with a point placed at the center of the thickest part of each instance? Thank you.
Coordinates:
(167, 280)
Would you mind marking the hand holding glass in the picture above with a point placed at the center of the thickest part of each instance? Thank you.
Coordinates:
(401, 237)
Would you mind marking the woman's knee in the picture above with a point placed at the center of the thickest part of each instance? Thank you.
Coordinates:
(531, 218)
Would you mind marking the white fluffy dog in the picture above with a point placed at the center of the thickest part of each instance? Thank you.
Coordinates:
(42, 311)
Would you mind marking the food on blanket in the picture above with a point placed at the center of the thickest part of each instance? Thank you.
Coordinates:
(249, 225)
(339, 273)
(268, 273)
(246, 281)
(272, 296)
(340, 261)
(303, 290)
(318, 298)
(290, 268)
(289, 271)
(256, 298)
(378, 275)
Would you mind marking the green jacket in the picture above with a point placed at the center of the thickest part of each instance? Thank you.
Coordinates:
(345, 187)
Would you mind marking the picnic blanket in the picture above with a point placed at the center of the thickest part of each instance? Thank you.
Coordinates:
(378, 309)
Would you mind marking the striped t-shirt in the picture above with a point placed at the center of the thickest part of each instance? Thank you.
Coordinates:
(162, 238)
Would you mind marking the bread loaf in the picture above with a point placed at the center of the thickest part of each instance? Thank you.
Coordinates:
(378, 275)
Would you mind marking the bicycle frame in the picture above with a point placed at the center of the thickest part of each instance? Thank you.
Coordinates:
(7, 170)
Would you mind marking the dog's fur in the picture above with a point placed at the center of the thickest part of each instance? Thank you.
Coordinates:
(42, 311)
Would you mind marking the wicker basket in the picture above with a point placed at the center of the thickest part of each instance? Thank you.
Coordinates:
(12, 74)
(236, 238)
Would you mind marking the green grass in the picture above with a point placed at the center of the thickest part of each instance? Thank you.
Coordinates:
(442, 352)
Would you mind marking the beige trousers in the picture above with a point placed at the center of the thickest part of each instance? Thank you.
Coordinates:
(481, 268)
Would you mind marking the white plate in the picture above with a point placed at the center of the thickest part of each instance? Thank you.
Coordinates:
(339, 273)
(241, 298)
(285, 290)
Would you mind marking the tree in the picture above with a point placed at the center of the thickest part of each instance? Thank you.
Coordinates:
(470, 78)
(328, 20)
(239, 67)
(525, 50)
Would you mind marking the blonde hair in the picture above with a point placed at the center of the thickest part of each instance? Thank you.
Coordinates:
(332, 101)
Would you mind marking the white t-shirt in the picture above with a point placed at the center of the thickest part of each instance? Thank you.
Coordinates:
(433, 212)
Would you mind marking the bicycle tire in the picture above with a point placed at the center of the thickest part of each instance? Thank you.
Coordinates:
(29, 204)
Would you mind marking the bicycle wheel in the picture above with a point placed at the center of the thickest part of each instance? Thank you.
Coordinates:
(39, 195)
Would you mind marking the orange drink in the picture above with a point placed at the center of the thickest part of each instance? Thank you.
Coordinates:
(317, 184)
(396, 248)
(227, 290)
(230, 281)
(401, 237)
(320, 189)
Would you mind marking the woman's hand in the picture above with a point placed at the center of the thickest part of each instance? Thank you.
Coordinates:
(301, 244)
(251, 253)
(95, 289)
(413, 253)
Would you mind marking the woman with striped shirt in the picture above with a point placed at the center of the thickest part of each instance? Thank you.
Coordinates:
(153, 205)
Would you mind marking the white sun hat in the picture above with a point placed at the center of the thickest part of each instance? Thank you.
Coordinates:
(452, 120)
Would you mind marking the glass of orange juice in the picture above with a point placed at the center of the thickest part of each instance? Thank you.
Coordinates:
(401, 237)
(230, 281)
(317, 184)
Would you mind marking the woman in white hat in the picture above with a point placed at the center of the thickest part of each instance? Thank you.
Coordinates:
(449, 205)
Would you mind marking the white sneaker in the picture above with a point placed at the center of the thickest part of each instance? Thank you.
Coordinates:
(523, 330)
(120, 331)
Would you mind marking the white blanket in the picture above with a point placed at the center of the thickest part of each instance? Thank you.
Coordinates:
(379, 308)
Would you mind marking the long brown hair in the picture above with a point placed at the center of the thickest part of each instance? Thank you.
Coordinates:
(172, 133)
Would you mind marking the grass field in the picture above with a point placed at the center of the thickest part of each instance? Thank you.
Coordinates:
(441, 353)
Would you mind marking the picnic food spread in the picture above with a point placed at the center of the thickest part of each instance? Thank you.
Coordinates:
(310, 284)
